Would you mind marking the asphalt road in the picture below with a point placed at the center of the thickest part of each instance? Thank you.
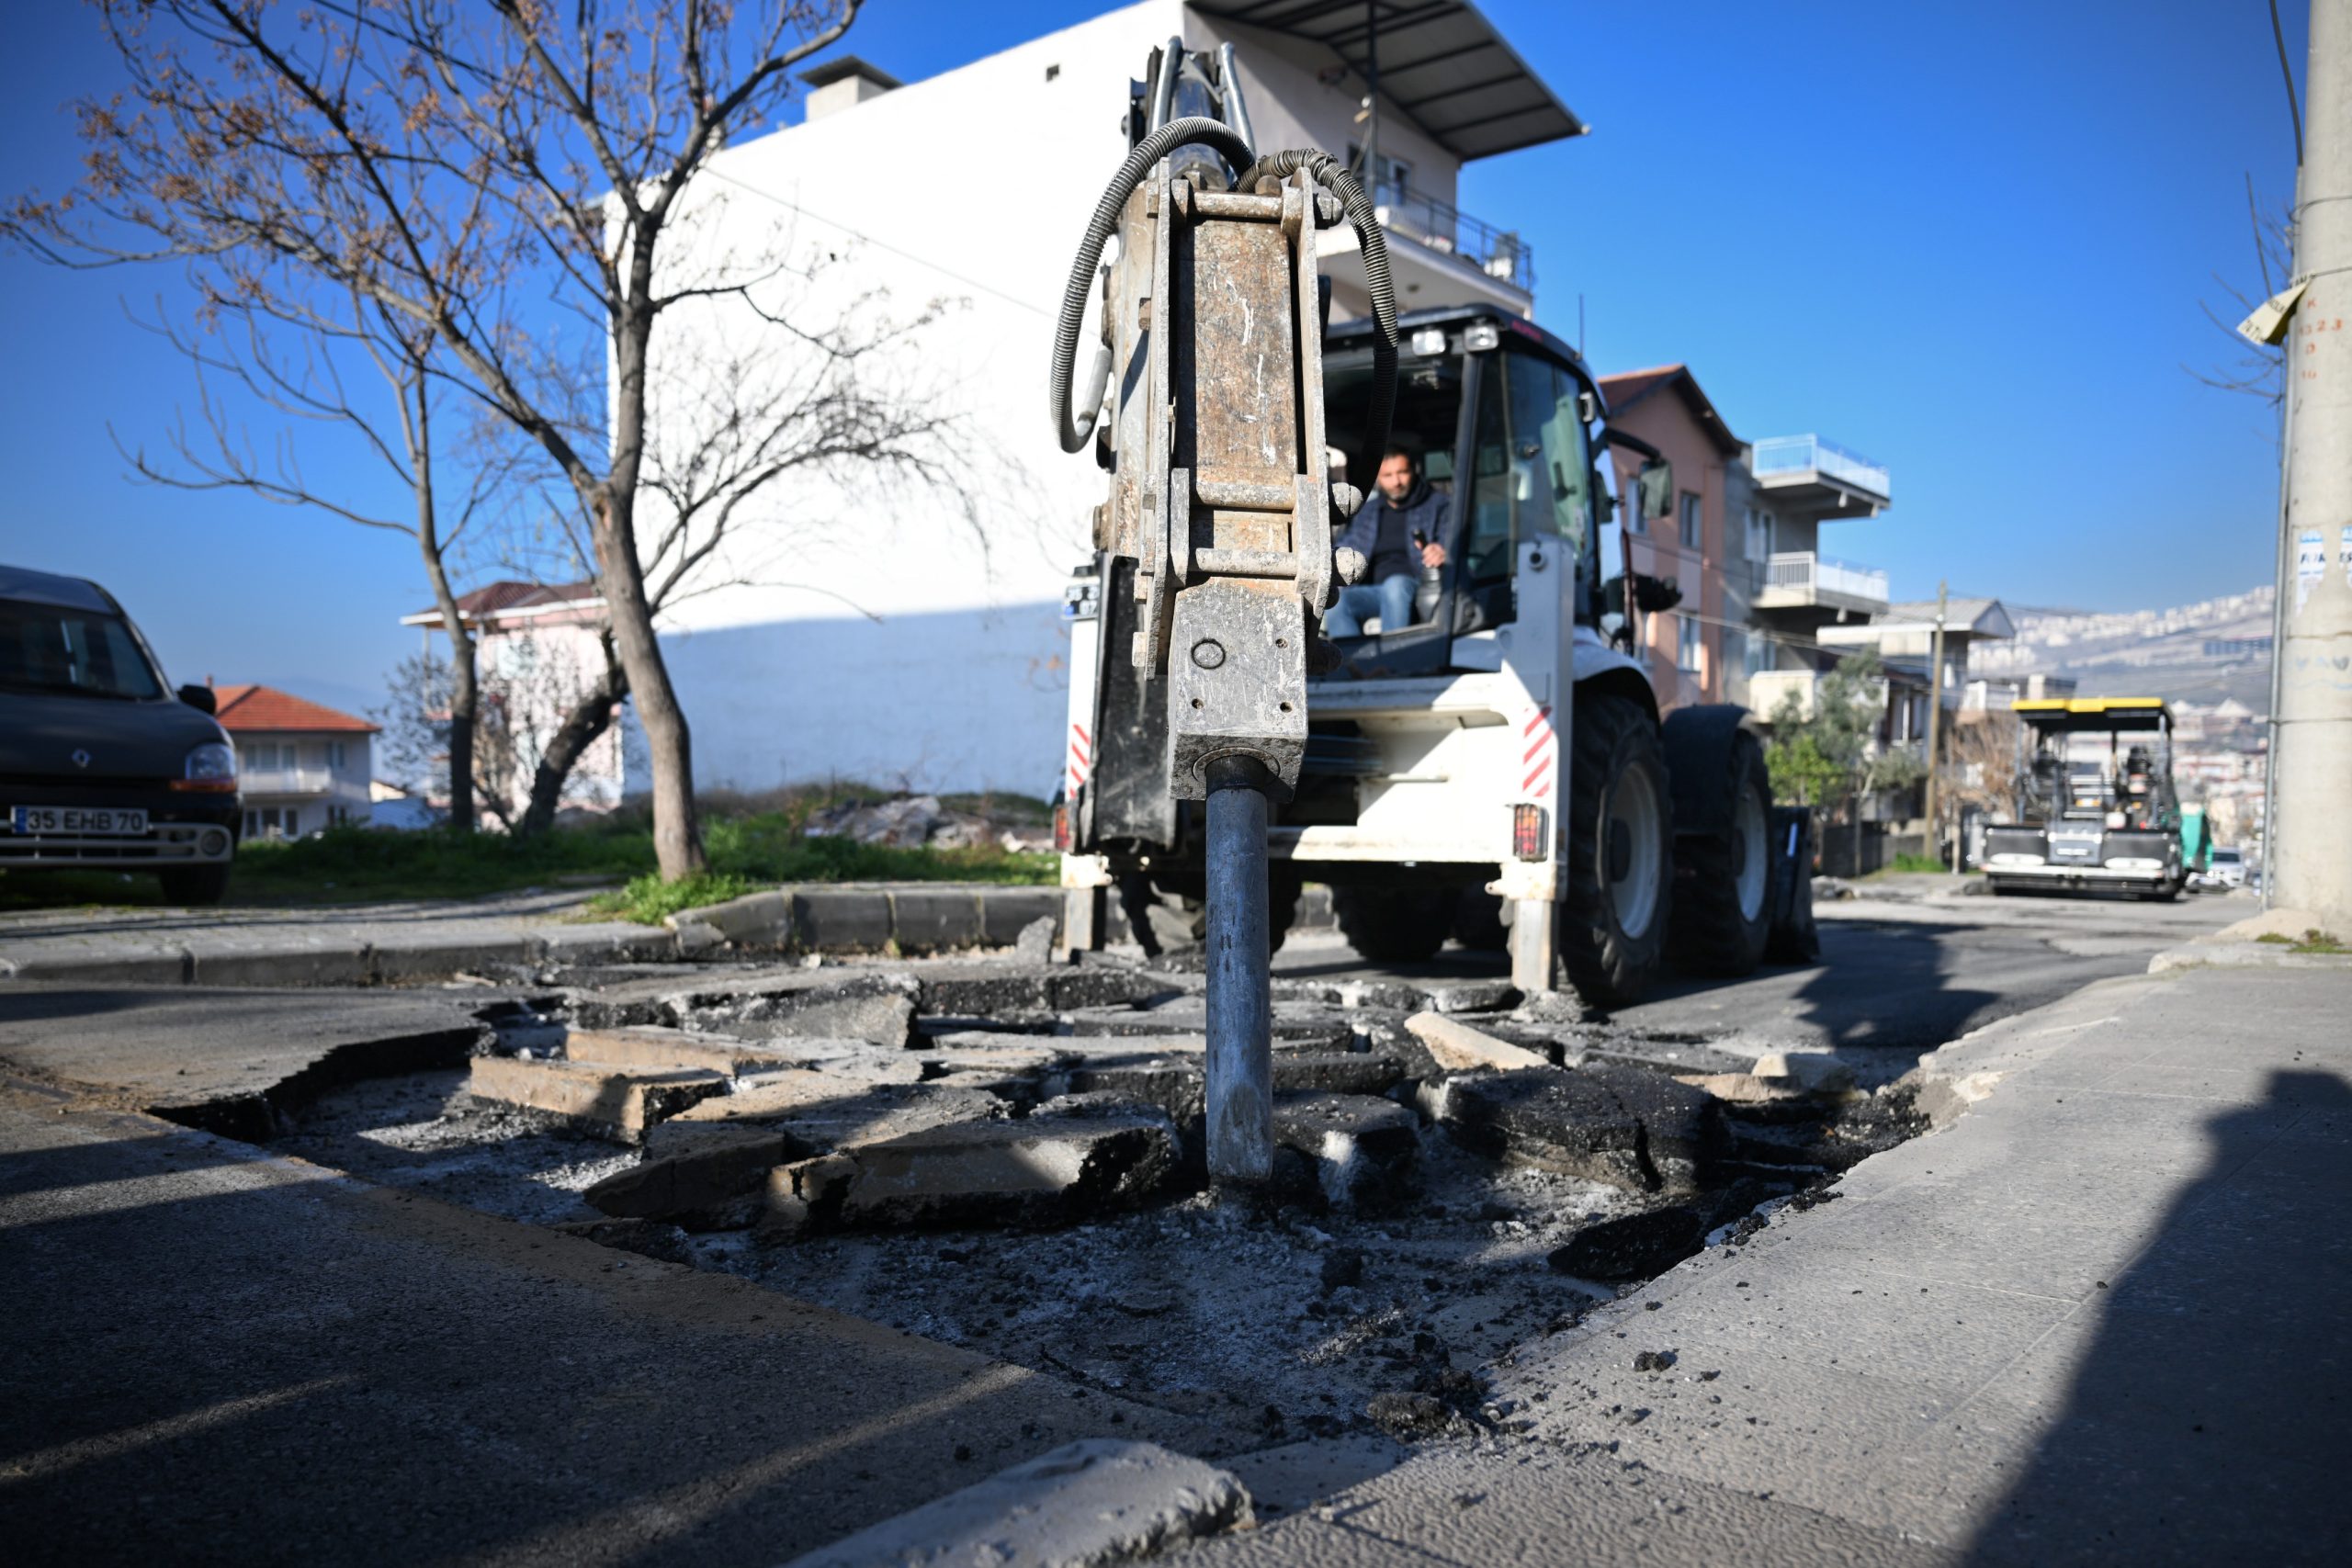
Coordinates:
(1902, 970)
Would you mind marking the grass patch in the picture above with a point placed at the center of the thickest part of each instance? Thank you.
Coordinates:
(2313, 940)
(1916, 863)
(748, 848)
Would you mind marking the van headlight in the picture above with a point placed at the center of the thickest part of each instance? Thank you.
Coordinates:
(210, 769)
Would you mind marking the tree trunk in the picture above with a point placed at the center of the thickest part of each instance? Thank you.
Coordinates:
(582, 726)
(465, 687)
(677, 829)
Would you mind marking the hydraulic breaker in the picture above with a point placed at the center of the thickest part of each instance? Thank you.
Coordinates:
(1221, 495)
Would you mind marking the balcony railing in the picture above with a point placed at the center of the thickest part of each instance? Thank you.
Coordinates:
(285, 781)
(1447, 229)
(1804, 572)
(1810, 454)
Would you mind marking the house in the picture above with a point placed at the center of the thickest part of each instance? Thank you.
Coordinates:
(1741, 540)
(858, 627)
(1694, 649)
(539, 649)
(301, 766)
(1904, 637)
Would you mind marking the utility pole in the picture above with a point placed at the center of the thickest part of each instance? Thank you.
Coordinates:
(1936, 714)
(2310, 846)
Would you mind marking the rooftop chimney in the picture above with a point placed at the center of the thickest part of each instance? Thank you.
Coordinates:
(844, 81)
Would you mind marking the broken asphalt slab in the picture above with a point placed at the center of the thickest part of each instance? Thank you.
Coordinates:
(287, 1349)
(232, 1062)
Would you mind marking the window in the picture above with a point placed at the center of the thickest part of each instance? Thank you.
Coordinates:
(1487, 542)
(1636, 516)
(1691, 517)
(334, 753)
(1395, 176)
(1685, 654)
(1759, 655)
(1760, 536)
(46, 648)
(1734, 647)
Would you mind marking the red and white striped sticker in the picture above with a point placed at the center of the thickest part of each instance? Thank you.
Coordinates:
(1540, 753)
(1081, 760)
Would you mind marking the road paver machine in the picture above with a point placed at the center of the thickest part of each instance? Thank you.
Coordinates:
(2097, 804)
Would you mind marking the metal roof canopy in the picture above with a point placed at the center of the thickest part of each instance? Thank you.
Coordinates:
(1441, 65)
(2090, 716)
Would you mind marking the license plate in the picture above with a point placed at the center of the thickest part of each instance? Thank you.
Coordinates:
(95, 821)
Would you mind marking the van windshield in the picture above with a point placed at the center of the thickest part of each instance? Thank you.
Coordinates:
(48, 647)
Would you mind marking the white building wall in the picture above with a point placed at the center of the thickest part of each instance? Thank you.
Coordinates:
(901, 634)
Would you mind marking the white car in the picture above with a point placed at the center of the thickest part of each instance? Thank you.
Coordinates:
(2225, 869)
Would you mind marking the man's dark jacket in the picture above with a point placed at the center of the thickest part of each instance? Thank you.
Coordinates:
(1384, 532)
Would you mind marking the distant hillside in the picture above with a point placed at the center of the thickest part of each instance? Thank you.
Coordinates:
(2201, 652)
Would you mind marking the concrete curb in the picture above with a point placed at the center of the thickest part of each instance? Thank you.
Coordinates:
(909, 918)
(1092, 1502)
(309, 961)
(2242, 955)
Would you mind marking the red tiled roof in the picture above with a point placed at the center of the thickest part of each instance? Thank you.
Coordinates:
(497, 598)
(263, 709)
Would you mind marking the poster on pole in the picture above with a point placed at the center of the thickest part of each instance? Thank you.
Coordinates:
(2310, 563)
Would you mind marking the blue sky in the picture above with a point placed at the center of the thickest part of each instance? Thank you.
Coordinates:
(1967, 240)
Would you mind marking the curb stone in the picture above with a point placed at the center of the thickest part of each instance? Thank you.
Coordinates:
(1092, 1502)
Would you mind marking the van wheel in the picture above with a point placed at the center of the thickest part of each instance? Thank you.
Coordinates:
(195, 885)
(1621, 851)
(1394, 925)
(1723, 881)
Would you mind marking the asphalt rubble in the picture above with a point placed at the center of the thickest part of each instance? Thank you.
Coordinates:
(1007, 1154)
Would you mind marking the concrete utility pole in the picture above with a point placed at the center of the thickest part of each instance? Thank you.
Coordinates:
(1936, 714)
(2310, 849)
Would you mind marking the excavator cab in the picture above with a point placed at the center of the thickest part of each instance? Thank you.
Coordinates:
(1500, 415)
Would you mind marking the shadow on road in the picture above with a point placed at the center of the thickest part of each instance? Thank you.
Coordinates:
(2211, 1416)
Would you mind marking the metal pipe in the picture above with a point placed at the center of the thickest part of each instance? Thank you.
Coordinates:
(1240, 1011)
(1237, 108)
(1164, 90)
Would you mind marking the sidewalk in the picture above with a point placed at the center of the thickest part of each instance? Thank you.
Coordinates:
(2104, 1315)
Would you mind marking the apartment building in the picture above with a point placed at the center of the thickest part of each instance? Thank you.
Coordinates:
(301, 766)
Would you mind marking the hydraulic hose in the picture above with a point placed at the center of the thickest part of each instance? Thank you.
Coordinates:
(1333, 175)
(1073, 427)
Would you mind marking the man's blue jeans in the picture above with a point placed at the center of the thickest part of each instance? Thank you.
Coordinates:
(1392, 601)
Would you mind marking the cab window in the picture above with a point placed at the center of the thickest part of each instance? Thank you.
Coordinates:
(1486, 540)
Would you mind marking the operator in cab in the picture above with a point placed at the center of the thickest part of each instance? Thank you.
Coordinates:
(1397, 531)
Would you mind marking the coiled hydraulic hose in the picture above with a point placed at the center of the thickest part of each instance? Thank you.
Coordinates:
(1074, 428)
(1074, 431)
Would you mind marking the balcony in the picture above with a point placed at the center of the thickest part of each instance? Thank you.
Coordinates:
(1806, 473)
(285, 781)
(1438, 255)
(1803, 581)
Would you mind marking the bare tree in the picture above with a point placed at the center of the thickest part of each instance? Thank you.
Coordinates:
(2258, 370)
(357, 146)
(237, 343)
(755, 445)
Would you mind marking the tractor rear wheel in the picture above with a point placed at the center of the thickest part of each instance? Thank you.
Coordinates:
(1723, 881)
(1478, 921)
(1621, 851)
(1395, 925)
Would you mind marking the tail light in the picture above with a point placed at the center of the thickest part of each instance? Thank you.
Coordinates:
(1530, 837)
(1061, 827)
